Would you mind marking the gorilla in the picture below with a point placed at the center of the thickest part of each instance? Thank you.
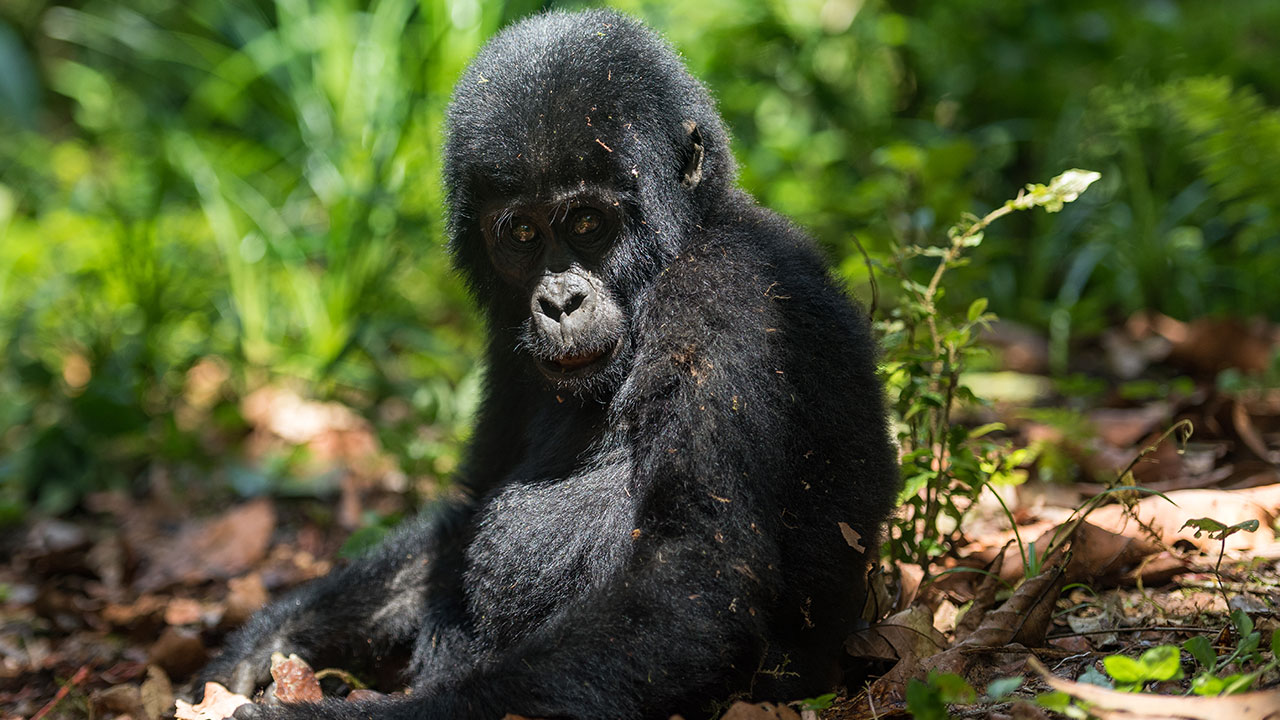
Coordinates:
(681, 462)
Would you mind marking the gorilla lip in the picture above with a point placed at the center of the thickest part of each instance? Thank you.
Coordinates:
(580, 363)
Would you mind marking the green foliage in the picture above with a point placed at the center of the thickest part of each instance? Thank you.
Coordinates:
(903, 122)
(1062, 703)
(817, 704)
(1001, 688)
(1164, 662)
(1218, 531)
(1201, 649)
(1158, 664)
(257, 181)
(946, 466)
(928, 700)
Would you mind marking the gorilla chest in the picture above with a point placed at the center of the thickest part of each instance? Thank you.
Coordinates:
(540, 544)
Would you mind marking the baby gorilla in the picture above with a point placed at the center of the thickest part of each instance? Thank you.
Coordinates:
(681, 407)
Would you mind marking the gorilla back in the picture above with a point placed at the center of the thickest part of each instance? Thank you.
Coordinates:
(681, 406)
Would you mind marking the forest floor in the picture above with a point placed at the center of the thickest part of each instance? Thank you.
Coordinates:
(1124, 611)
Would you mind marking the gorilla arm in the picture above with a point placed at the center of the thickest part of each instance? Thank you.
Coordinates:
(370, 613)
(367, 614)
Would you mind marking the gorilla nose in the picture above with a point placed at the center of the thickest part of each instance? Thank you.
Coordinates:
(558, 297)
(555, 308)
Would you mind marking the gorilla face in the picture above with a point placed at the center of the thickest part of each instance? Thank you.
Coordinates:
(553, 254)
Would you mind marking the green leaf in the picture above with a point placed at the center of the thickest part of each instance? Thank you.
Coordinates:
(985, 429)
(1056, 701)
(1249, 644)
(1124, 669)
(1207, 684)
(822, 702)
(1062, 189)
(1203, 525)
(924, 702)
(952, 688)
(1163, 662)
(1242, 622)
(362, 540)
(1238, 683)
(1000, 687)
(1091, 676)
(1201, 649)
(1218, 531)
(1275, 645)
(915, 484)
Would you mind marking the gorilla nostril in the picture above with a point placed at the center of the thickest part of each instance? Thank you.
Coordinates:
(549, 309)
(575, 302)
(558, 308)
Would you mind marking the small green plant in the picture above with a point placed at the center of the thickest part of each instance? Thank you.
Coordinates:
(946, 466)
(1158, 664)
(817, 704)
(1211, 681)
(1164, 663)
(1220, 532)
(928, 699)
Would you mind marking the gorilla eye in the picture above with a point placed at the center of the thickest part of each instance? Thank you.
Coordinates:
(523, 231)
(585, 222)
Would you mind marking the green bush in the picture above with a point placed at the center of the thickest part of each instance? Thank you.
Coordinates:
(258, 181)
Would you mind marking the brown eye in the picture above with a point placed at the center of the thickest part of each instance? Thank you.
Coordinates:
(585, 222)
(523, 231)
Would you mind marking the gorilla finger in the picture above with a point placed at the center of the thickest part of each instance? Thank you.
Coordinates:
(248, 675)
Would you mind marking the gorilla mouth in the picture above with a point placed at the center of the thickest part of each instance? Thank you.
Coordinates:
(573, 362)
(578, 363)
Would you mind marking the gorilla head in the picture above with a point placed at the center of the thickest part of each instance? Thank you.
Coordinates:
(580, 152)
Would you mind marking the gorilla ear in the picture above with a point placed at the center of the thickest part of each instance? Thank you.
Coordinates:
(692, 174)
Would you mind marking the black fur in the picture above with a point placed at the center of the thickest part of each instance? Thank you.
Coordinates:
(661, 532)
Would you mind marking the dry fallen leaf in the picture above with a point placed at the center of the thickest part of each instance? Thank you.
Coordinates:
(218, 704)
(219, 548)
(119, 700)
(179, 650)
(183, 611)
(1123, 427)
(295, 680)
(759, 711)
(1023, 618)
(156, 692)
(245, 595)
(907, 636)
(997, 646)
(984, 595)
(852, 537)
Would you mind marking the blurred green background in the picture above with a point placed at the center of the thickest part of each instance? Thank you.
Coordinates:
(202, 198)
